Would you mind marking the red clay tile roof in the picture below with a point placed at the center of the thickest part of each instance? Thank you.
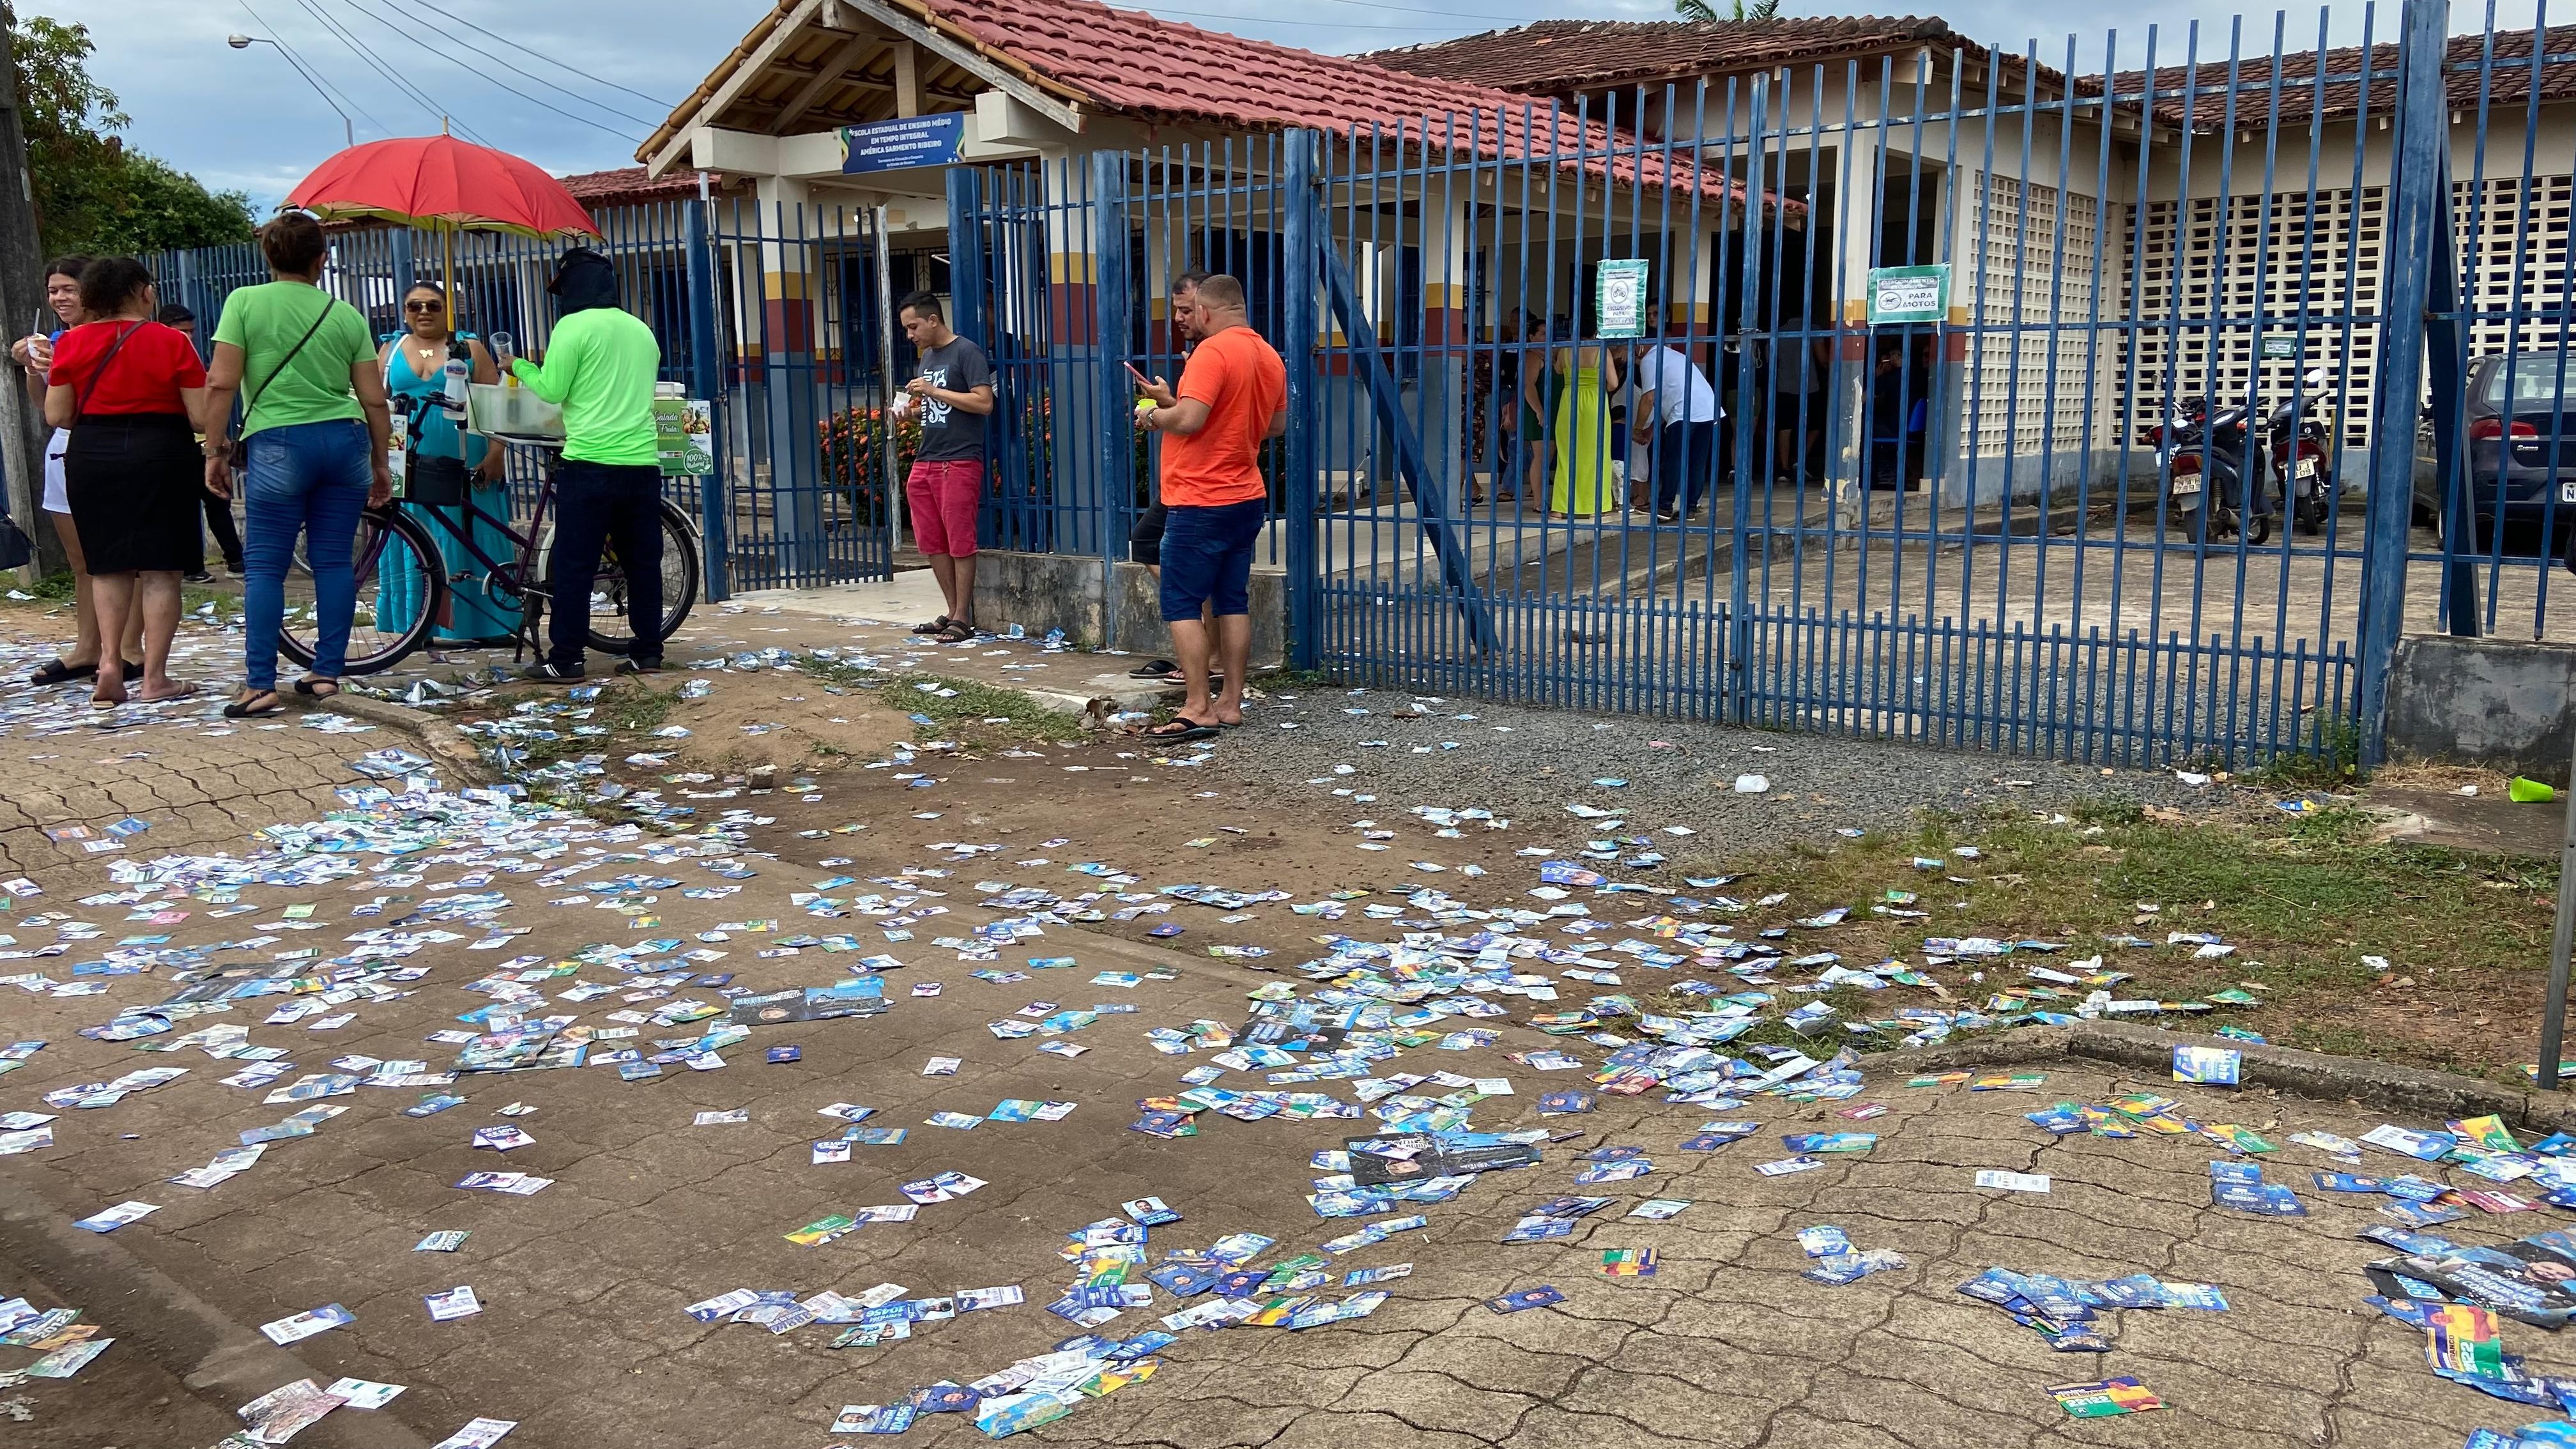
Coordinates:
(626, 185)
(1128, 62)
(2507, 86)
(1093, 48)
(1560, 57)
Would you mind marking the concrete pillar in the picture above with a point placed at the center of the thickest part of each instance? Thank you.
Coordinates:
(1447, 241)
(1861, 191)
(1963, 477)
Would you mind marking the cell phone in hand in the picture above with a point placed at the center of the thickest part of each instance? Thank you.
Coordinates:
(1141, 379)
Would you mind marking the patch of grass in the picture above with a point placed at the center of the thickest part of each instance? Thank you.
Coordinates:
(958, 709)
(2328, 758)
(2303, 898)
(52, 588)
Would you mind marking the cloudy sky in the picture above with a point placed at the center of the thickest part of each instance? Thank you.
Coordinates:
(247, 118)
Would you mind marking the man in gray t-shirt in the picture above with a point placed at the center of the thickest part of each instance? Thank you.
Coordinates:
(953, 390)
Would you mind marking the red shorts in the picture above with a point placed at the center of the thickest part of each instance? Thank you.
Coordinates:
(943, 494)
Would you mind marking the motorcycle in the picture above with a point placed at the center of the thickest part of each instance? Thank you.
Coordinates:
(2302, 472)
(2203, 455)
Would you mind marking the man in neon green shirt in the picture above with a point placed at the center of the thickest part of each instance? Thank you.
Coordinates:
(601, 364)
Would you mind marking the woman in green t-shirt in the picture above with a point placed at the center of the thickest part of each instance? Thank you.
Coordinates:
(316, 430)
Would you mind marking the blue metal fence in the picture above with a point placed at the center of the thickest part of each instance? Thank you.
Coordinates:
(1964, 526)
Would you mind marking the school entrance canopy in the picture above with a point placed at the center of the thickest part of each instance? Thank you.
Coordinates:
(1094, 152)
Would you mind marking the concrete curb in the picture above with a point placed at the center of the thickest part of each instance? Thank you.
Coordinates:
(222, 1362)
(2439, 1096)
(436, 735)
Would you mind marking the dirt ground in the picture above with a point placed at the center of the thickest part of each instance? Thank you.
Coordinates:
(584, 1339)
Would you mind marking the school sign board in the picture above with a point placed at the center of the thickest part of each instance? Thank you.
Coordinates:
(904, 142)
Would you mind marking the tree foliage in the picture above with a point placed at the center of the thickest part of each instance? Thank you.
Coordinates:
(93, 192)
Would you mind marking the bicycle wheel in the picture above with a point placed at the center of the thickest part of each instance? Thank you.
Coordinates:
(402, 592)
(679, 584)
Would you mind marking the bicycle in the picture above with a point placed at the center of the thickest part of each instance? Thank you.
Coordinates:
(405, 582)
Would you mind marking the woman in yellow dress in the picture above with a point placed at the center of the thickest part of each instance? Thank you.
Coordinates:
(1585, 375)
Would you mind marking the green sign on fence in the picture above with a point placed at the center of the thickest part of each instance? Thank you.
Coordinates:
(1909, 294)
(1621, 299)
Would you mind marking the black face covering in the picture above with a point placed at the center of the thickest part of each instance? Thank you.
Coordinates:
(584, 279)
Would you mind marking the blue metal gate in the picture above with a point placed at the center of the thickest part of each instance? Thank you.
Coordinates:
(1507, 331)
(1958, 528)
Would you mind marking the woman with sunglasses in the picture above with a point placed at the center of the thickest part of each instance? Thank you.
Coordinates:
(448, 466)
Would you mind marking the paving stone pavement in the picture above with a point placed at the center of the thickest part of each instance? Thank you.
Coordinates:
(584, 1341)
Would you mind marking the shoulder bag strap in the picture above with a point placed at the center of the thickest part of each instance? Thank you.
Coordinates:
(81, 397)
(250, 400)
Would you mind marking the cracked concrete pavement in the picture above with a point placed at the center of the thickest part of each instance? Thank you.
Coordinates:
(584, 1340)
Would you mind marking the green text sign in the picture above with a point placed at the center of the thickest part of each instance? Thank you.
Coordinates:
(1909, 294)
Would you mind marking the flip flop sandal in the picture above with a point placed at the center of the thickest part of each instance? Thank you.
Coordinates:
(58, 672)
(955, 633)
(182, 692)
(1190, 729)
(240, 708)
(1153, 669)
(106, 702)
(935, 626)
(317, 688)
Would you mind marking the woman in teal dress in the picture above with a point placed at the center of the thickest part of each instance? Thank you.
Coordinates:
(449, 465)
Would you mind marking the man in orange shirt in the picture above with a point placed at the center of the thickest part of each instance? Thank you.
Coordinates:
(1233, 396)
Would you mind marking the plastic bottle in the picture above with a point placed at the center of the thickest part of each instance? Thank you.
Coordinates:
(459, 373)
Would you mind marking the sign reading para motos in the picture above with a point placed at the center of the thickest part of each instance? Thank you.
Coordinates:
(1899, 295)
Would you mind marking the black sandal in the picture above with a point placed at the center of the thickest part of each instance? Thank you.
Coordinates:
(1180, 729)
(317, 688)
(935, 626)
(241, 708)
(56, 671)
(957, 632)
(1153, 669)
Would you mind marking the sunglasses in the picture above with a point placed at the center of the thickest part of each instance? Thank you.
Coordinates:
(424, 306)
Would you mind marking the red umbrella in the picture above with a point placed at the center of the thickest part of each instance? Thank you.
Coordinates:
(444, 184)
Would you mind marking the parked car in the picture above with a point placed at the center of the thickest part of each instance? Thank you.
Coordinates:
(2519, 423)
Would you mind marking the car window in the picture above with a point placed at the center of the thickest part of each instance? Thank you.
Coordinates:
(2535, 380)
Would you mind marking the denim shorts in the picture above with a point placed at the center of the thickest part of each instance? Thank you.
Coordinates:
(1207, 556)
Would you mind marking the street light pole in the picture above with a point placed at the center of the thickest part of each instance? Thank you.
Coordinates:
(348, 131)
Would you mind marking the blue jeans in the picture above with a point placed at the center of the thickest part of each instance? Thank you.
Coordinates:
(1685, 459)
(312, 479)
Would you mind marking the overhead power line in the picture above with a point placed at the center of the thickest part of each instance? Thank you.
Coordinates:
(392, 76)
(526, 49)
(478, 75)
(311, 71)
(433, 41)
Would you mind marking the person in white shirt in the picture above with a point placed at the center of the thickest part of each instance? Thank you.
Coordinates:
(1676, 394)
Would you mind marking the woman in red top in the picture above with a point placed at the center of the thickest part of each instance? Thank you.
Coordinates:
(133, 393)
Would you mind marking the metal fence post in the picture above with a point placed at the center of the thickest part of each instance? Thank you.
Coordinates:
(1303, 223)
(1113, 501)
(965, 258)
(2415, 208)
(706, 379)
(1739, 603)
(881, 277)
(2448, 362)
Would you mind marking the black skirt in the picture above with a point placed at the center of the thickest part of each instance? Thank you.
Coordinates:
(134, 480)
